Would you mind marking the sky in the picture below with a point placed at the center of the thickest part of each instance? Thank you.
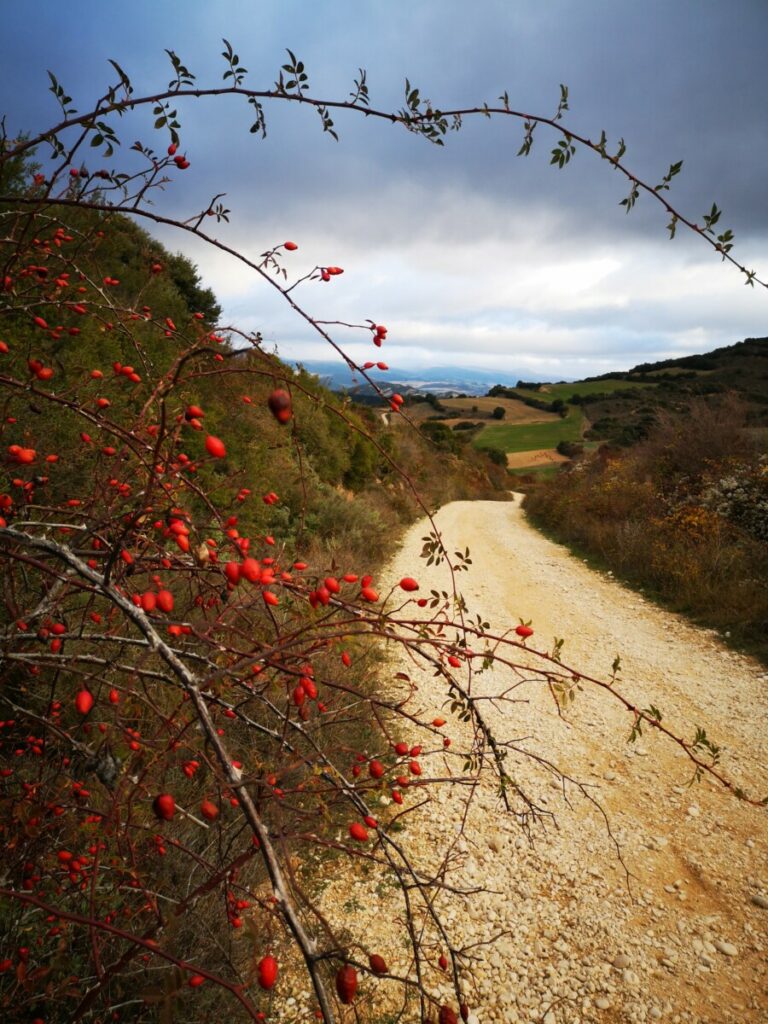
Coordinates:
(471, 255)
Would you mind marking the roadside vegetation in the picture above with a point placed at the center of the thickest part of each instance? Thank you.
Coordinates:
(165, 486)
(682, 514)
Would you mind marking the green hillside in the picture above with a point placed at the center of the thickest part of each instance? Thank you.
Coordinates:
(565, 390)
(622, 407)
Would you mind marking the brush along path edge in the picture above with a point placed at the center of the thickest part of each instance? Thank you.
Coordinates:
(689, 942)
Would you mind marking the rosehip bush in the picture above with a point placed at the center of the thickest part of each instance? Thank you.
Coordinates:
(189, 704)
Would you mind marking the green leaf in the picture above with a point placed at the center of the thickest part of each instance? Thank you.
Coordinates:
(124, 79)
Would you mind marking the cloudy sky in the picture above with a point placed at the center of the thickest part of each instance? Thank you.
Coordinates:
(470, 255)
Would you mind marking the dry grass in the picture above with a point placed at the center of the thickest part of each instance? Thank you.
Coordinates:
(514, 411)
(540, 457)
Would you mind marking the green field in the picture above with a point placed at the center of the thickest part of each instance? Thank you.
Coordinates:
(524, 437)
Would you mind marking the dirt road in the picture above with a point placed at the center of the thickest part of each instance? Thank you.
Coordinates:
(689, 943)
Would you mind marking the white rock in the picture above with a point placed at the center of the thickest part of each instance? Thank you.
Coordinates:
(726, 948)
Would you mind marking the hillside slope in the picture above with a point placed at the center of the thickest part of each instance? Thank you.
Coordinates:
(625, 416)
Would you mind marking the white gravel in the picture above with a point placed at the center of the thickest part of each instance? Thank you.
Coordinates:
(687, 940)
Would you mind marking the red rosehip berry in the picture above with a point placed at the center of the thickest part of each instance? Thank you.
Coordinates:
(84, 702)
(378, 964)
(250, 570)
(358, 832)
(279, 403)
(215, 447)
(164, 806)
(346, 983)
(209, 810)
(267, 972)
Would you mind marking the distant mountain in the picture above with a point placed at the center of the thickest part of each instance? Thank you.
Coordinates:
(436, 380)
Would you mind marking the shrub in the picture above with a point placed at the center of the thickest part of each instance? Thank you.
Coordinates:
(571, 449)
(441, 435)
(496, 455)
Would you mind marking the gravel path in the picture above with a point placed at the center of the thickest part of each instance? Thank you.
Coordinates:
(687, 941)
